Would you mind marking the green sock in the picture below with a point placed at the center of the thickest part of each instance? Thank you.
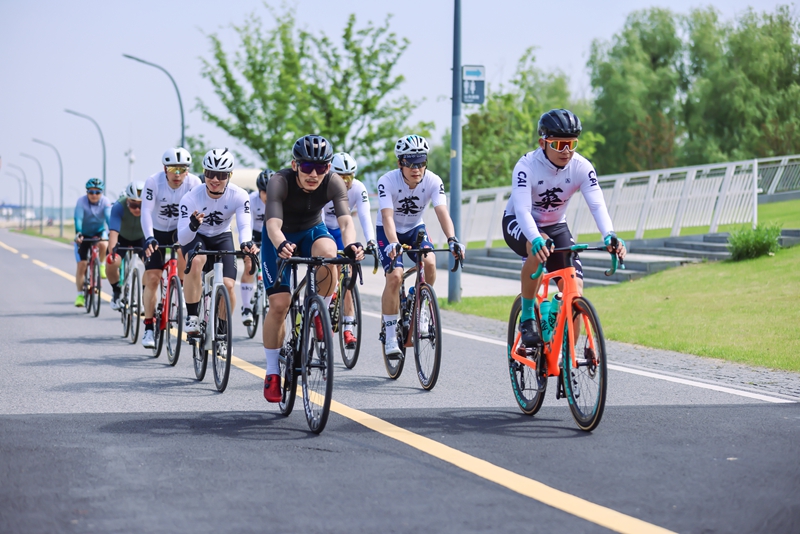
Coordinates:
(527, 309)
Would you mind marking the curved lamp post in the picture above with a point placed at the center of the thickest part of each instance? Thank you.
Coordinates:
(180, 102)
(60, 185)
(102, 139)
(19, 181)
(41, 191)
(25, 207)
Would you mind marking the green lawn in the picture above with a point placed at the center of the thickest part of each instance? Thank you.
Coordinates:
(50, 232)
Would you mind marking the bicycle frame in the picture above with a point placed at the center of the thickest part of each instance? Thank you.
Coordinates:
(168, 270)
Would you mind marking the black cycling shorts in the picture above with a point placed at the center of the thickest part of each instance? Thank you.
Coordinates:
(560, 235)
(156, 261)
(217, 242)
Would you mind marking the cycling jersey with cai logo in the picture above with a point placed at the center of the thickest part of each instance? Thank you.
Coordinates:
(408, 204)
(257, 209)
(540, 192)
(218, 213)
(160, 202)
(357, 199)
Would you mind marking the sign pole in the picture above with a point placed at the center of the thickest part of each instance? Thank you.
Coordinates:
(454, 279)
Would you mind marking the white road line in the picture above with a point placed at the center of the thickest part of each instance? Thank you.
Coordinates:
(624, 369)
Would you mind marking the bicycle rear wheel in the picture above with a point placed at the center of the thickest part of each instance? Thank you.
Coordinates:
(125, 315)
(394, 365)
(174, 328)
(585, 384)
(288, 360)
(199, 358)
(221, 353)
(257, 306)
(350, 354)
(97, 289)
(88, 294)
(529, 385)
(427, 337)
(317, 368)
(135, 305)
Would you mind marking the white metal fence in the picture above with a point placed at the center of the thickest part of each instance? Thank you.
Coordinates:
(702, 195)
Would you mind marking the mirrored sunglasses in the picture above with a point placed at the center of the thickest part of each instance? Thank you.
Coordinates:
(177, 170)
(135, 205)
(416, 165)
(560, 145)
(347, 177)
(94, 191)
(217, 175)
(307, 167)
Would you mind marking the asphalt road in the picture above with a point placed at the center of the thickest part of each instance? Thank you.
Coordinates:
(97, 436)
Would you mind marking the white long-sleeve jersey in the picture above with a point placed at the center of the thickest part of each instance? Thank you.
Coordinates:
(257, 209)
(408, 204)
(218, 213)
(540, 192)
(358, 200)
(160, 203)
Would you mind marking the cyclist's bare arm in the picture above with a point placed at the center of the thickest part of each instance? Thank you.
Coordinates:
(388, 228)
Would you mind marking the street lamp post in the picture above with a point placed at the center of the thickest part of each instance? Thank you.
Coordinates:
(25, 207)
(60, 186)
(19, 181)
(454, 279)
(41, 191)
(52, 195)
(102, 139)
(180, 102)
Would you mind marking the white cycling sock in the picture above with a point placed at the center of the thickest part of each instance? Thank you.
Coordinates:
(327, 300)
(391, 323)
(348, 323)
(273, 357)
(247, 294)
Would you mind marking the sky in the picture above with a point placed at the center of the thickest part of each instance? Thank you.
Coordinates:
(57, 55)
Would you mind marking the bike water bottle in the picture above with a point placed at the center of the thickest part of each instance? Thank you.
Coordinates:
(544, 313)
(552, 317)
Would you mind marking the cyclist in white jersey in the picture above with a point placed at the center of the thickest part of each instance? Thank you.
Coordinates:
(403, 195)
(357, 198)
(258, 199)
(206, 214)
(542, 184)
(160, 200)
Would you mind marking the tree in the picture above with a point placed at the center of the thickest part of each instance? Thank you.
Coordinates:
(283, 83)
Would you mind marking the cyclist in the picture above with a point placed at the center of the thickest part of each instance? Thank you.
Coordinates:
(357, 198)
(124, 229)
(295, 198)
(162, 195)
(542, 183)
(206, 214)
(403, 195)
(92, 213)
(257, 206)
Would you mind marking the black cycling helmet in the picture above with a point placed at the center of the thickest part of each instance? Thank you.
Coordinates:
(263, 179)
(559, 123)
(313, 148)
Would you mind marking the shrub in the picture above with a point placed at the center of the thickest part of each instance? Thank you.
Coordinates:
(748, 243)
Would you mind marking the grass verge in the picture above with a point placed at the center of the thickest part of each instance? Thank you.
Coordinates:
(50, 232)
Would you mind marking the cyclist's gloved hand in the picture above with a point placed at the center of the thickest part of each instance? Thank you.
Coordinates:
(392, 249)
(195, 222)
(286, 248)
(371, 246)
(611, 237)
(456, 248)
(111, 257)
(353, 250)
(537, 244)
(78, 237)
(248, 246)
(150, 246)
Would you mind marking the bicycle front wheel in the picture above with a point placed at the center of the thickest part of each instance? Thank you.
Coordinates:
(221, 353)
(125, 314)
(317, 368)
(200, 358)
(96, 288)
(88, 293)
(135, 305)
(529, 384)
(288, 360)
(174, 320)
(394, 364)
(161, 312)
(585, 381)
(252, 328)
(350, 352)
(427, 337)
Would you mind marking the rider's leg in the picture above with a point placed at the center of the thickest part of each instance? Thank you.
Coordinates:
(247, 285)
(429, 263)
(390, 300)
(230, 283)
(112, 271)
(193, 285)
(80, 272)
(151, 285)
(327, 275)
(273, 332)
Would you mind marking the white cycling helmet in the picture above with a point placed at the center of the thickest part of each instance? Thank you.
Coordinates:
(411, 145)
(176, 156)
(343, 163)
(219, 159)
(134, 190)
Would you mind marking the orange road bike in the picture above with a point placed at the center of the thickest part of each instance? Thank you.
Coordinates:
(576, 352)
(419, 324)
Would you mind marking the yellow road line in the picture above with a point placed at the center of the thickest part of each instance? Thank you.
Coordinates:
(565, 502)
(10, 249)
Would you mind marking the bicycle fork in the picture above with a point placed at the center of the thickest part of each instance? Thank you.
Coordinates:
(211, 280)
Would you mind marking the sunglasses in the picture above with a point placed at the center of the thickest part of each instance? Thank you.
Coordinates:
(307, 167)
(217, 175)
(408, 164)
(135, 205)
(347, 177)
(560, 145)
(177, 170)
(94, 191)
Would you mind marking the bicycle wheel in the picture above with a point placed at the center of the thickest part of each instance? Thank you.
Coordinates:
(135, 305)
(199, 357)
(350, 354)
(289, 360)
(585, 383)
(529, 384)
(221, 353)
(96, 289)
(125, 310)
(427, 337)
(317, 367)
(394, 365)
(256, 306)
(174, 320)
(160, 312)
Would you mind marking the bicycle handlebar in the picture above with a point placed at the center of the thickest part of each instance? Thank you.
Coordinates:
(616, 261)
(197, 250)
(317, 261)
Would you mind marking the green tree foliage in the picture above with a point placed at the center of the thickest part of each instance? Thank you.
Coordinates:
(282, 83)
(498, 133)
